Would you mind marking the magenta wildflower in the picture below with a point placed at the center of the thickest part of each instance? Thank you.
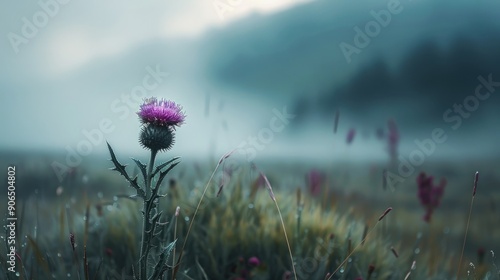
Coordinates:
(429, 194)
(253, 261)
(161, 112)
(314, 180)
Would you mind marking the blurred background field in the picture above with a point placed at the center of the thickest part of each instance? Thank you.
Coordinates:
(243, 223)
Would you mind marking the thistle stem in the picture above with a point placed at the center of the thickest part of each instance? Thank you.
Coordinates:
(150, 173)
(143, 258)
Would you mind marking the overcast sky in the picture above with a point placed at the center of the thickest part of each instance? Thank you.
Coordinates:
(45, 90)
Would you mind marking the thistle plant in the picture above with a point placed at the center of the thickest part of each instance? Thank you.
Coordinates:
(159, 119)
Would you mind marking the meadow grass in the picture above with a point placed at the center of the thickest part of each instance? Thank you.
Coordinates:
(238, 234)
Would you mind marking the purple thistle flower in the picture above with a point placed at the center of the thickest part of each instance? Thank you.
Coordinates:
(161, 112)
(159, 118)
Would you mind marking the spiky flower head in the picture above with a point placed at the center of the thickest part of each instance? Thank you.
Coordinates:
(156, 137)
(161, 112)
(159, 118)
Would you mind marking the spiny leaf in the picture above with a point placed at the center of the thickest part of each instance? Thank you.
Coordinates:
(160, 167)
(142, 167)
(155, 219)
(133, 196)
(162, 176)
(161, 266)
(170, 247)
(118, 166)
(121, 168)
(154, 224)
(134, 181)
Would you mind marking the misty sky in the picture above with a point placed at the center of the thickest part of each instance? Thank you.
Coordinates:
(234, 64)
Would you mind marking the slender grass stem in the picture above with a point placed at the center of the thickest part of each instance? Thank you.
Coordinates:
(85, 237)
(361, 243)
(286, 238)
(175, 238)
(176, 268)
(476, 178)
(273, 197)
